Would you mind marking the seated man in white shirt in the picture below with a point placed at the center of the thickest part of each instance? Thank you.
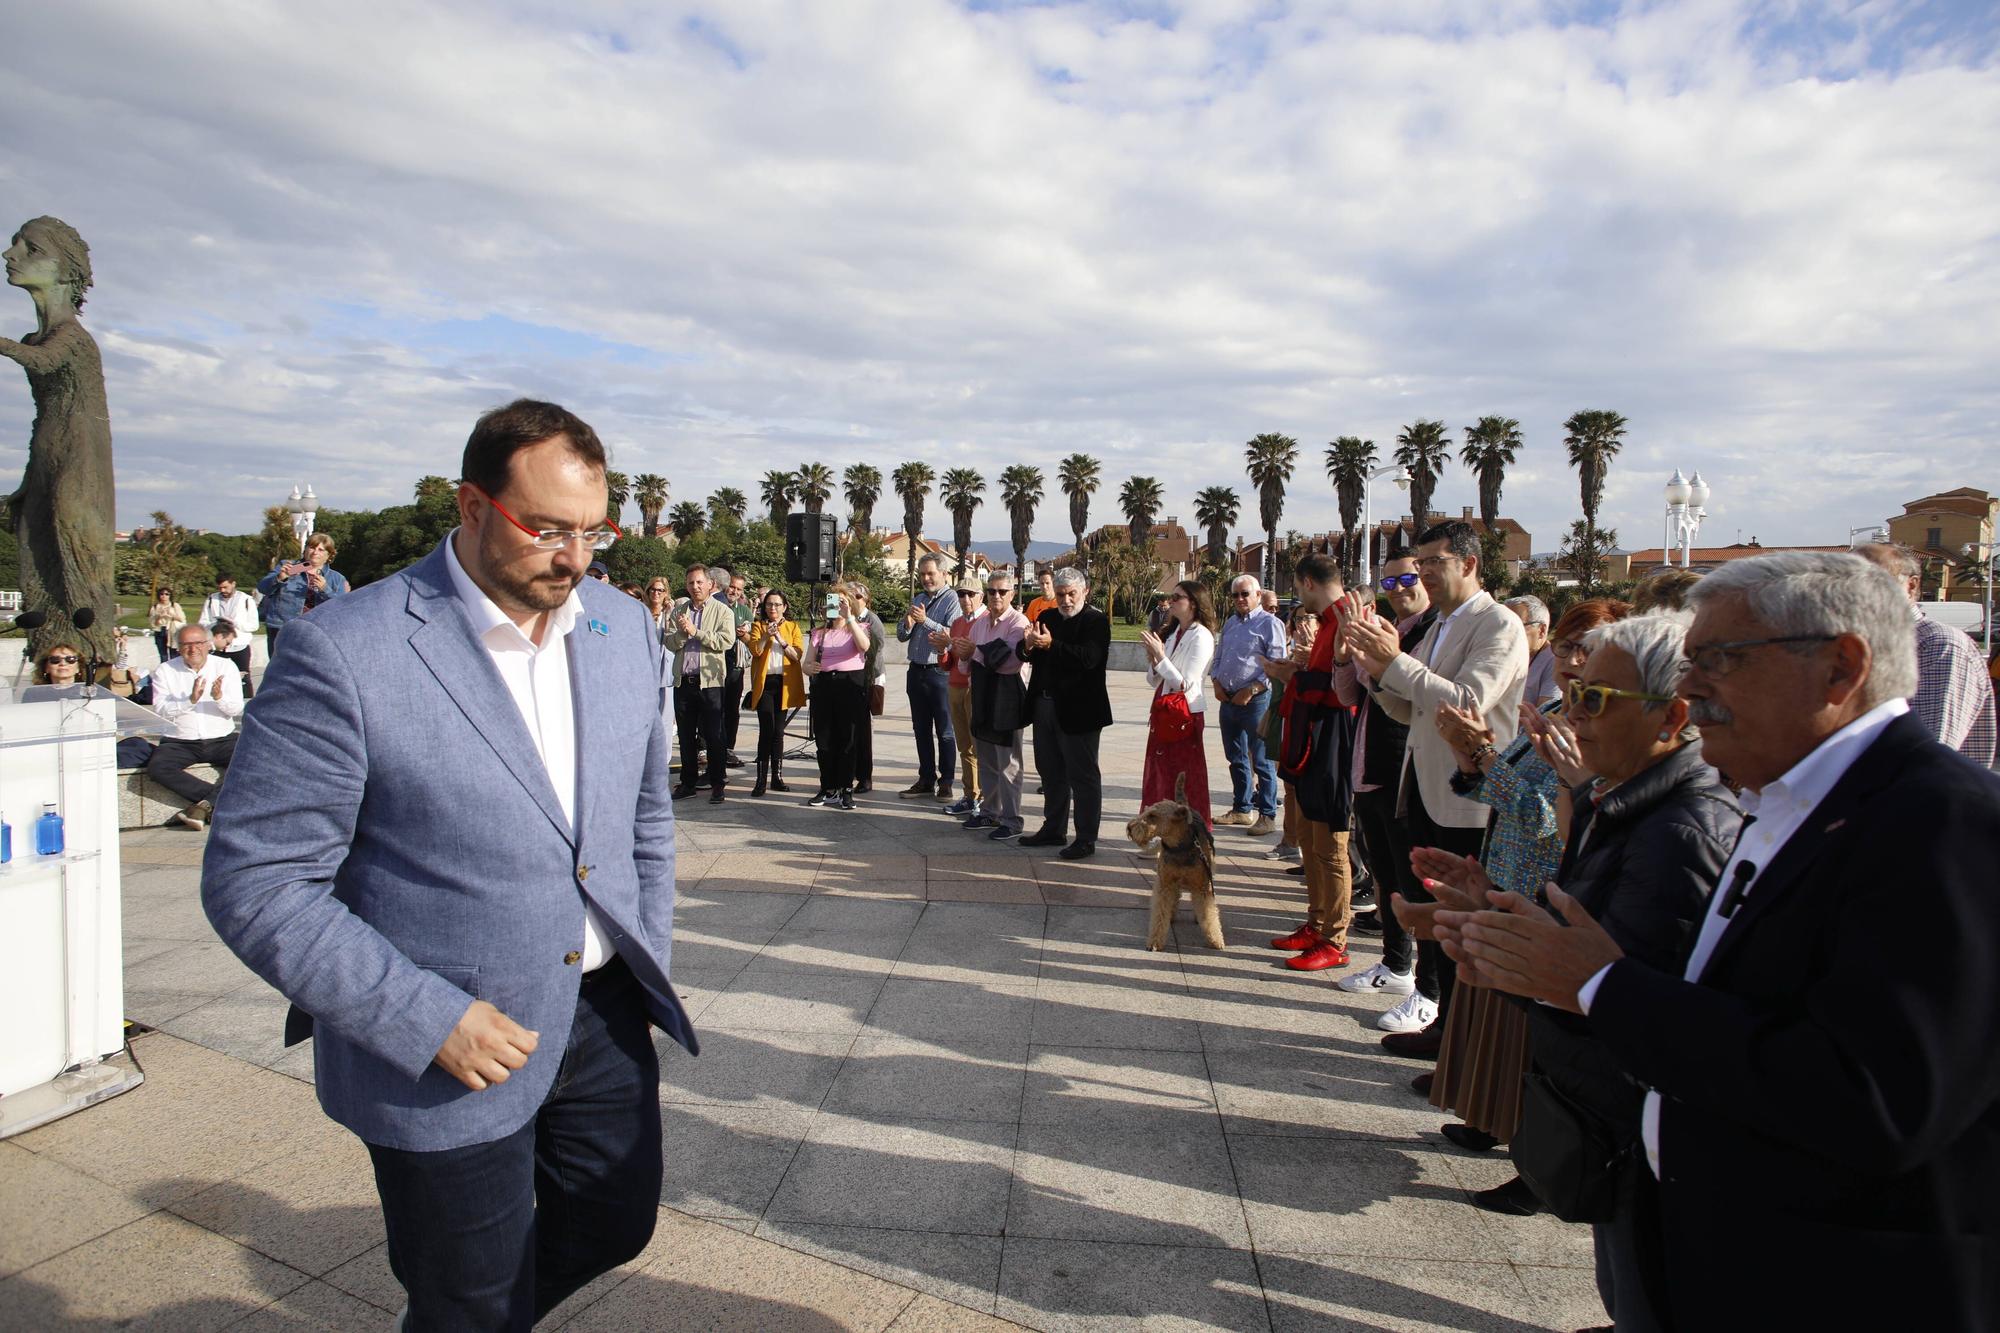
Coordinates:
(202, 697)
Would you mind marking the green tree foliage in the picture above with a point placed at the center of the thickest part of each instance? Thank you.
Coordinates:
(1079, 475)
(1593, 439)
(862, 487)
(912, 481)
(1349, 460)
(1269, 459)
(687, 519)
(727, 506)
(1140, 498)
(778, 489)
(1493, 575)
(650, 489)
(1021, 491)
(1583, 552)
(618, 487)
(815, 486)
(1215, 509)
(1489, 451)
(1424, 450)
(959, 490)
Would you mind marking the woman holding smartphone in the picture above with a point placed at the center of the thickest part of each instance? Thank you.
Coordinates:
(777, 685)
(837, 660)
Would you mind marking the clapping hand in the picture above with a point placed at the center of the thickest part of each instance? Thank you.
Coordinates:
(1519, 948)
(215, 690)
(1037, 636)
(1555, 742)
(1373, 640)
(1458, 883)
(1156, 647)
(940, 639)
(1463, 730)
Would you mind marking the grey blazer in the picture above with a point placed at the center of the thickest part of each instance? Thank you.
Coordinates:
(390, 848)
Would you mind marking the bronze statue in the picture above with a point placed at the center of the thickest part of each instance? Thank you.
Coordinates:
(63, 513)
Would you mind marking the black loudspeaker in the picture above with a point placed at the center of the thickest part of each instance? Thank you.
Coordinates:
(809, 547)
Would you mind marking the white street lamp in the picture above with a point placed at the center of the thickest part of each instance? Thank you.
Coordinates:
(1687, 506)
(302, 506)
(1989, 561)
(1368, 519)
(1872, 533)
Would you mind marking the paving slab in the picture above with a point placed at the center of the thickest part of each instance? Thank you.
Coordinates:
(50, 1208)
(1083, 1286)
(964, 1270)
(927, 1175)
(1161, 1184)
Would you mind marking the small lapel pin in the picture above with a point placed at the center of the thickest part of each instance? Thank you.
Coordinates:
(599, 627)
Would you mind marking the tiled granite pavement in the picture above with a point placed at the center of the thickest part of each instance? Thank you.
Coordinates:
(943, 1085)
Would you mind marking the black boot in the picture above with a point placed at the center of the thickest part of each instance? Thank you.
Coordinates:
(778, 782)
(762, 765)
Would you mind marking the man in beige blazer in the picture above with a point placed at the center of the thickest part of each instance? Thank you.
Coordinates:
(1475, 657)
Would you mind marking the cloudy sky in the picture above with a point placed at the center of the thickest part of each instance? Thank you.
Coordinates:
(745, 236)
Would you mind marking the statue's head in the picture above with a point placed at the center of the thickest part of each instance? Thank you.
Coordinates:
(53, 243)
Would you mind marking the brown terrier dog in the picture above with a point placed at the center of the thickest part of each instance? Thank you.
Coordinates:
(1187, 861)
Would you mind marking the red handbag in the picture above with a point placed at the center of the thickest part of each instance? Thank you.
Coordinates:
(1171, 720)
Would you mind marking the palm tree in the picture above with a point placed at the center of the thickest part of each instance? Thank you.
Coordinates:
(913, 481)
(687, 519)
(1349, 460)
(959, 490)
(862, 485)
(1215, 508)
(1270, 459)
(651, 490)
(725, 505)
(1423, 448)
(618, 489)
(1594, 439)
(779, 489)
(433, 488)
(1489, 451)
(814, 486)
(1140, 498)
(1021, 491)
(1078, 475)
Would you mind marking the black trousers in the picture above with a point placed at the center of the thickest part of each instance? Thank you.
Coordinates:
(1436, 973)
(771, 728)
(698, 718)
(495, 1235)
(1067, 764)
(732, 702)
(1375, 820)
(172, 759)
(839, 703)
(241, 657)
(864, 737)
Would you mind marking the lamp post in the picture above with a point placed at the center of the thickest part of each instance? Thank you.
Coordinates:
(1368, 518)
(302, 506)
(1687, 506)
(1989, 563)
(1872, 533)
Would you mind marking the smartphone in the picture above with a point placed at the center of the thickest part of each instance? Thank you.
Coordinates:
(832, 606)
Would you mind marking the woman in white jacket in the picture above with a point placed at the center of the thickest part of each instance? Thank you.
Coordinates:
(1179, 666)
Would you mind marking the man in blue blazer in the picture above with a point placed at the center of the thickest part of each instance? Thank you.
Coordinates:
(447, 839)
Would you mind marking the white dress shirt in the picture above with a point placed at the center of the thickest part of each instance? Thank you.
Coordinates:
(239, 609)
(186, 698)
(1779, 810)
(537, 679)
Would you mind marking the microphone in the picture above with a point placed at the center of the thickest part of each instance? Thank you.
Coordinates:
(31, 620)
(83, 617)
(1739, 885)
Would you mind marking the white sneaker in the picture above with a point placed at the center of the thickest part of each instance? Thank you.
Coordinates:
(1414, 1014)
(1379, 980)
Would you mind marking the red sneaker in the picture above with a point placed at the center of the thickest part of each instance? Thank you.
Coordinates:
(1321, 955)
(1305, 937)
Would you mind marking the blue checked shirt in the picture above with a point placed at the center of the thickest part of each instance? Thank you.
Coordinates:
(1243, 640)
(940, 609)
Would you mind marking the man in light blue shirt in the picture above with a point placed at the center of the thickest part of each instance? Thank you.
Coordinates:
(928, 681)
(1249, 634)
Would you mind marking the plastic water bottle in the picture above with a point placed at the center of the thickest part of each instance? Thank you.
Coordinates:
(6, 841)
(49, 832)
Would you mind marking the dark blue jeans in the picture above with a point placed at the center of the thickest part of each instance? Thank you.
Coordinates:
(1243, 747)
(495, 1235)
(930, 717)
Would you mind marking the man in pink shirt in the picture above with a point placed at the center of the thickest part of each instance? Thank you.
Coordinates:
(999, 708)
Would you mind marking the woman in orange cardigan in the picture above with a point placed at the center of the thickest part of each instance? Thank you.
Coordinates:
(776, 648)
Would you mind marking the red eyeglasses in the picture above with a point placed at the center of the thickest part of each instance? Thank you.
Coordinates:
(554, 539)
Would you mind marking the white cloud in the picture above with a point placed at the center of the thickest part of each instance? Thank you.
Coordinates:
(746, 237)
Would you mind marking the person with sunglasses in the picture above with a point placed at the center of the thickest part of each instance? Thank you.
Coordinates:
(1485, 1050)
(447, 839)
(59, 664)
(1650, 834)
(991, 648)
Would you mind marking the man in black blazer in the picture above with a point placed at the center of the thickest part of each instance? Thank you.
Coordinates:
(1823, 1114)
(1066, 651)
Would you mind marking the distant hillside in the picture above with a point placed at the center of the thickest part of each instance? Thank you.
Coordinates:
(998, 551)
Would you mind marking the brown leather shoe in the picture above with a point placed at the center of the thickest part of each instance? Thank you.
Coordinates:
(1418, 1045)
